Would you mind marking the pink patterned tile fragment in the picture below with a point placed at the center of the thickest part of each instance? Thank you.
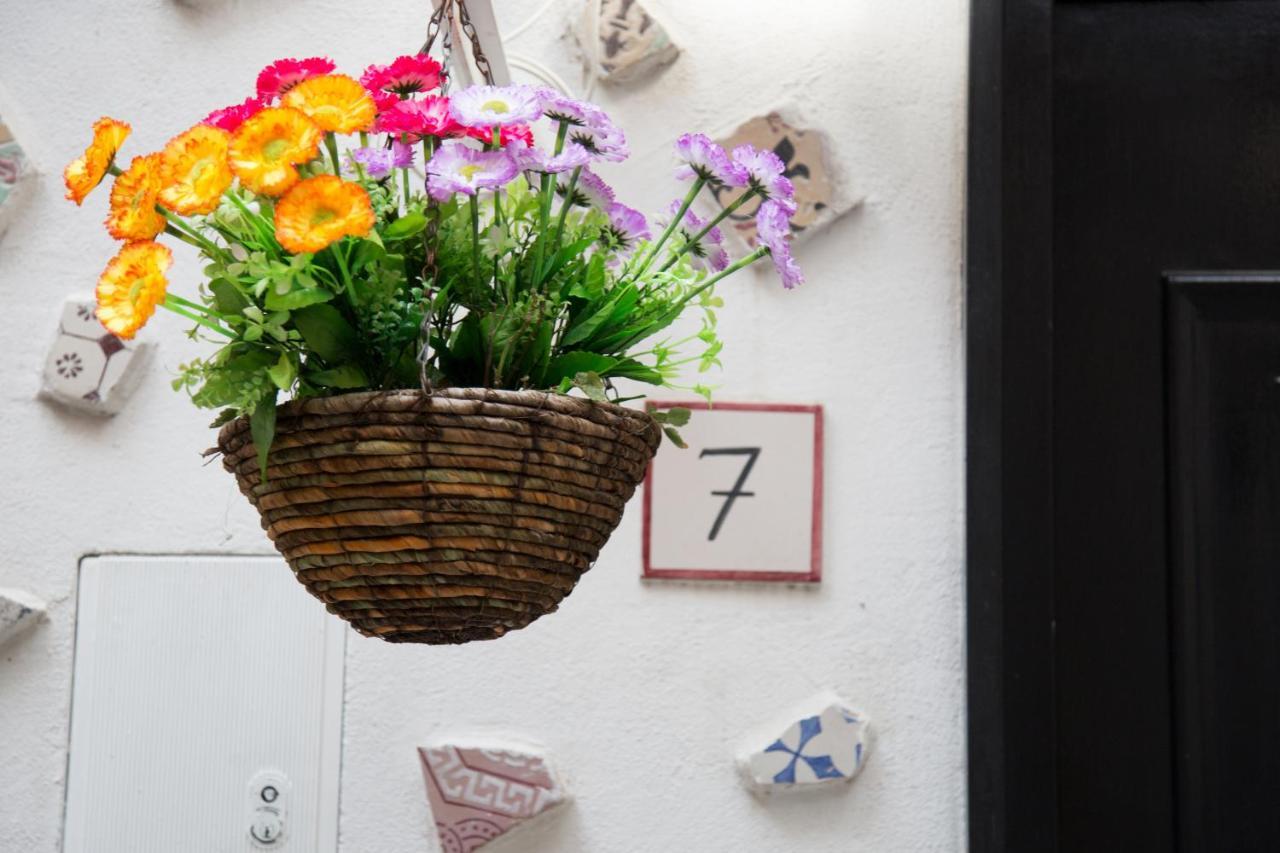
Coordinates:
(478, 794)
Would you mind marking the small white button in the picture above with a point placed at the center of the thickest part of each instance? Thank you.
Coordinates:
(267, 827)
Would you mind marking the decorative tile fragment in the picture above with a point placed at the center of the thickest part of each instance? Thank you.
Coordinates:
(817, 749)
(821, 195)
(622, 42)
(88, 368)
(479, 793)
(15, 175)
(19, 611)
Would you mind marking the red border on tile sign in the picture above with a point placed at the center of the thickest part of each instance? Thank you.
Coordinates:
(815, 568)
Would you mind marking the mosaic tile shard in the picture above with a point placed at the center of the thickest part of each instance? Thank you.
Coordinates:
(19, 612)
(621, 42)
(822, 194)
(87, 367)
(477, 794)
(817, 749)
(15, 176)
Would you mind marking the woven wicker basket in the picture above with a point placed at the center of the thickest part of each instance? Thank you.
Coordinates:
(443, 518)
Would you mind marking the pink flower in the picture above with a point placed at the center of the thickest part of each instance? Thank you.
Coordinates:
(773, 231)
(427, 116)
(602, 138)
(457, 168)
(230, 118)
(405, 76)
(510, 132)
(283, 74)
(478, 106)
(534, 160)
(627, 227)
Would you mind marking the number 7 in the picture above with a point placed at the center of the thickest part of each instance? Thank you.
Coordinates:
(731, 495)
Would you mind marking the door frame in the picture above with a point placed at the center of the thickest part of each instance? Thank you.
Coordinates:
(1009, 399)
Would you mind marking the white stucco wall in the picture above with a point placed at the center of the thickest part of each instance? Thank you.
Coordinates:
(640, 691)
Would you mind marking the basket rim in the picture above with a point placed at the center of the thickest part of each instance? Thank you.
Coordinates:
(357, 401)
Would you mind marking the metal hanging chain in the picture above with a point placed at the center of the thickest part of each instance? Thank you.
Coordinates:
(442, 16)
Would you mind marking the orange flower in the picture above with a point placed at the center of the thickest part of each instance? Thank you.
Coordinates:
(133, 214)
(87, 171)
(266, 149)
(131, 287)
(321, 210)
(335, 102)
(195, 170)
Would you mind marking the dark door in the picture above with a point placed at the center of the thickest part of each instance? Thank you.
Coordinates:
(1125, 427)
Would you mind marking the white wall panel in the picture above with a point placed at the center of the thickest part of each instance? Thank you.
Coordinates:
(193, 676)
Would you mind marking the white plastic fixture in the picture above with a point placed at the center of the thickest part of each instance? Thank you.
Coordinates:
(206, 709)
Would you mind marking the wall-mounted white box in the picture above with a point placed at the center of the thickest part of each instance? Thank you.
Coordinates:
(195, 679)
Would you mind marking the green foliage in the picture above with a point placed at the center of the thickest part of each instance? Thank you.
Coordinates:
(520, 302)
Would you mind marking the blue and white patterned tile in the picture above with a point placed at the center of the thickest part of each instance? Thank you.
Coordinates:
(15, 176)
(88, 368)
(815, 749)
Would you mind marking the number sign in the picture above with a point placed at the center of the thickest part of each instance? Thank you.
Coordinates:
(743, 502)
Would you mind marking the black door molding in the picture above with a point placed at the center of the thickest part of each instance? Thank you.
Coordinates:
(1009, 320)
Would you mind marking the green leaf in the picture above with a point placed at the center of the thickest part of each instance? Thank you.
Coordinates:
(368, 251)
(566, 254)
(283, 372)
(262, 426)
(224, 417)
(343, 376)
(406, 226)
(227, 298)
(592, 385)
(676, 417)
(592, 283)
(674, 434)
(327, 333)
(629, 368)
(299, 297)
(570, 364)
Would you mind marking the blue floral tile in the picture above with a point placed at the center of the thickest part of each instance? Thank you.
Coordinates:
(817, 749)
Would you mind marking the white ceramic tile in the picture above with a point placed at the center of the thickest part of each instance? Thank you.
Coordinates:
(621, 41)
(825, 744)
(19, 612)
(823, 189)
(87, 367)
(479, 791)
(15, 176)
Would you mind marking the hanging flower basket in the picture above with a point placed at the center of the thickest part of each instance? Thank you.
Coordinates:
(446, 517)
(360, 237)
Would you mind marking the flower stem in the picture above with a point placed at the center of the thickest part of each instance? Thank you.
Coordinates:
(564, 210)
(475, 237)
(744, 261)
(331, 143)
(336, 249)
(720, 217)
(196, 318)
(676, 220)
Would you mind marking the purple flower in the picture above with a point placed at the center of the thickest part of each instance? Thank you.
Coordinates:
(602, 138)
(455, 168)
(705, 159)
(534, 160)
(773, 231)
(708, 252)
(765, 171)
(627, 227)
(378, 162)
(561, 108)
(590, 190)
(485, 106)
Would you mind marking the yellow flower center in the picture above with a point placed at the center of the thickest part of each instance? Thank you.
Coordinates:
(469, 171)
(275, 149)
(322, 215)
(496, 106)
(135, 291)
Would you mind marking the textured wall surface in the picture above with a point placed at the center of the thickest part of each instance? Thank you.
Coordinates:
(639, 691)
